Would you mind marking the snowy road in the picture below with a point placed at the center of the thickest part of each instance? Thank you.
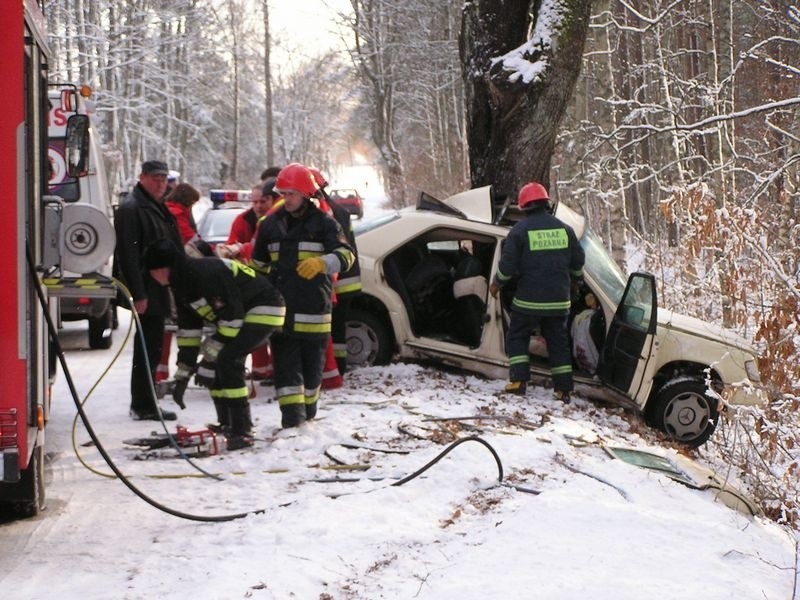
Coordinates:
(332, 527)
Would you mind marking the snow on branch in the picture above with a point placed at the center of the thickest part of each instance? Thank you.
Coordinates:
(769, 106)
(531, 60)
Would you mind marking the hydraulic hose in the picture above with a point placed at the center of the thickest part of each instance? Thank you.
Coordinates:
(90, 430)
(154, 503)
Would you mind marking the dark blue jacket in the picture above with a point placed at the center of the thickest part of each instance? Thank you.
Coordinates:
(545, 254)
(282, 241)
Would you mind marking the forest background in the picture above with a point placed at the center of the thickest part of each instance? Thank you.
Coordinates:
(678, 138)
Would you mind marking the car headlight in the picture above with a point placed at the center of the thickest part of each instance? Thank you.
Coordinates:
(752, 370)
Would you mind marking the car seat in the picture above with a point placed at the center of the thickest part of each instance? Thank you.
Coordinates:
(469, 290)
(430, 287)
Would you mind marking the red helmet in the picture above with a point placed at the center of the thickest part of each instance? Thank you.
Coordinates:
(530, 193)
(318, 177)
(296, 177)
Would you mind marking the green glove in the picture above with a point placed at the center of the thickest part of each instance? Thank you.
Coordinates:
(310, 267)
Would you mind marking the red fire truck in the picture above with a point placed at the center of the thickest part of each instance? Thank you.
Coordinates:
(23, 335)
(42, 238)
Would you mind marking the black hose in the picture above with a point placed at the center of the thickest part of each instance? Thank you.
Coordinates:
(171, 438)
(446, 451)
(59, 351)
(177, 513)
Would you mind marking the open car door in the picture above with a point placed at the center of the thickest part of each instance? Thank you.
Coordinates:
(629, 342)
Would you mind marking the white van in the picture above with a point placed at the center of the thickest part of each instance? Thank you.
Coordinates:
(91, 187)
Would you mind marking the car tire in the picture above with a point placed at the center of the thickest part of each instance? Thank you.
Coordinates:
(98, 340)
(369, 341)
(683, 409)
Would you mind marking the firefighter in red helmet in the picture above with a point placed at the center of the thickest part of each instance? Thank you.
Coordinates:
(300, 247)
(543, 254)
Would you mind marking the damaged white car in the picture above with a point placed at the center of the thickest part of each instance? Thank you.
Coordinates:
(425, 273)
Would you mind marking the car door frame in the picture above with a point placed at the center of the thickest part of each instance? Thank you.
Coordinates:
(631, 340)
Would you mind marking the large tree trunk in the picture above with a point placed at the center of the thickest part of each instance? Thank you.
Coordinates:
(513, 119)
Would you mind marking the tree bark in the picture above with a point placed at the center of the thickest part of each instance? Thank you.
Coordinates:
(269, 139)
(512, 123)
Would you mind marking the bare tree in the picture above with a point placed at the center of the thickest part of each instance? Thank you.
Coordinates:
(378, 27)
(268, 124)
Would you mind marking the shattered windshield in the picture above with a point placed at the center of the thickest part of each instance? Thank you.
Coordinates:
(604, 271)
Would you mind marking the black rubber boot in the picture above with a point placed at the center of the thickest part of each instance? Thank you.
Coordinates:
(223, 423)
(248, 419)
(311, 411)
(241, 432)
(293, 415)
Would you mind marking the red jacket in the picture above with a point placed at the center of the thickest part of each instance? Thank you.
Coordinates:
(183, 216)
(242, 228)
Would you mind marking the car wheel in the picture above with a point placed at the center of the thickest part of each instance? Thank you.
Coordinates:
(100, 329)
(368, 340)
(683, 409)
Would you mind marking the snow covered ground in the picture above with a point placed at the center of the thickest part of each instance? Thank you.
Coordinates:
(326, 522)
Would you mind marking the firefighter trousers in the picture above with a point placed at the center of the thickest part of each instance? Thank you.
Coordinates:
(298, 361)
(229, 390)
(554, 331)
(339, 331)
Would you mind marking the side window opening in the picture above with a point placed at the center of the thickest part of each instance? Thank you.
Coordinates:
(442, 278)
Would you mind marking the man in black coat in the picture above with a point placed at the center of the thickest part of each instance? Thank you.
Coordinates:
(140, 220)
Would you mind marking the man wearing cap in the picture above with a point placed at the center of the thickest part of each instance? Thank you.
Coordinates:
(140, 220)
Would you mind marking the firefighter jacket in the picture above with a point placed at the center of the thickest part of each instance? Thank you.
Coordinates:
(545, 255)
(349, 281)
(222, 292)
(282, 241)
(139, 221)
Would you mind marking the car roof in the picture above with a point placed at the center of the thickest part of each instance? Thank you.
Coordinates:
(478, 204)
